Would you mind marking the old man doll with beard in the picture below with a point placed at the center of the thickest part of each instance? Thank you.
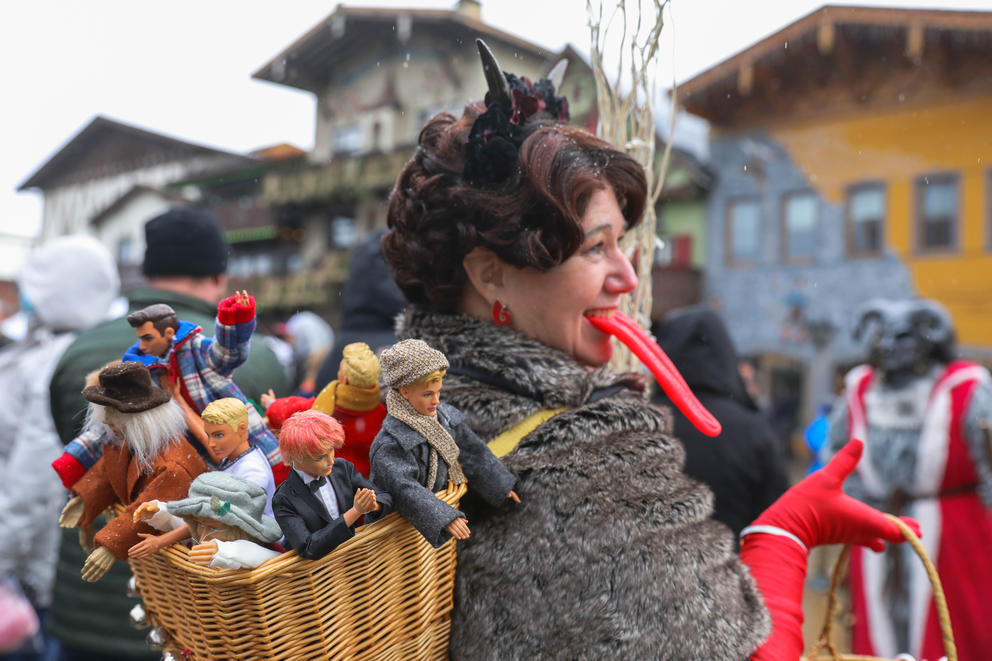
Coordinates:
(147, 459)
(923, 417)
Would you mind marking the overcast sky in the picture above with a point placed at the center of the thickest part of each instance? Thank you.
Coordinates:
(183, 68)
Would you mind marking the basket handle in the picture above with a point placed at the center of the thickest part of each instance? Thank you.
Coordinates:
(943, 616)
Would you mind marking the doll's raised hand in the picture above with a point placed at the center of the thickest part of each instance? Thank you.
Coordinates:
(365, 501)
(203, 553)
(72, 513)
(97, 564)
(458, 528)
(267, 398)
(145, 511)
(243, 298)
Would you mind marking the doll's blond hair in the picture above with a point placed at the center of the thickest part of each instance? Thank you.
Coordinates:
(360, 366)
(430, 378)
(227, 411)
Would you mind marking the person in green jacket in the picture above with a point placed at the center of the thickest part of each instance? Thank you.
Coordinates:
(185, 265)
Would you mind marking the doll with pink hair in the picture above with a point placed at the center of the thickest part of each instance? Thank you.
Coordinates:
(324, 497)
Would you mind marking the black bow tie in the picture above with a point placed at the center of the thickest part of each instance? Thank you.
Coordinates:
(316, 484)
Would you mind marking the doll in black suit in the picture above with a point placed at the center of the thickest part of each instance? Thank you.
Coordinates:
(323, 498)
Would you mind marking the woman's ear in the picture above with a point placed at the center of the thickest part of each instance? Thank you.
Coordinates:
(485, 271)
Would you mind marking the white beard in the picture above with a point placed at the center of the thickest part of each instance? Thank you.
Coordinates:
(147, 433)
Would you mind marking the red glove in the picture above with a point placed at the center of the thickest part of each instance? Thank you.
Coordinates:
(69, 469)
(230, 312)
(813, 512)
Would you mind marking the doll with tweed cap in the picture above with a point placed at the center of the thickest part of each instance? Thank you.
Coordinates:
(424, 443)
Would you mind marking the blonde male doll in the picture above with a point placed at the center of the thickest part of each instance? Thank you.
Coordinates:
(223, 431)
(424, 443)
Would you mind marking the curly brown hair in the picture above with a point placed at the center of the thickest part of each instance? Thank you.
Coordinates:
(532, 218)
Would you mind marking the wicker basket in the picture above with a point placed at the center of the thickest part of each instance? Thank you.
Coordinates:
(824, 642)
(384, 594)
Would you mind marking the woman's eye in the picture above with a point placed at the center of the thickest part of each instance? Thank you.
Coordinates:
(596, 249)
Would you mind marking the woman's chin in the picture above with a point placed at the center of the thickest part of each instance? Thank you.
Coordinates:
(595, 354)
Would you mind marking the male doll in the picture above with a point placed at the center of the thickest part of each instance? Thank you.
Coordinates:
(176, 351)
(424, 443)
(323, 498)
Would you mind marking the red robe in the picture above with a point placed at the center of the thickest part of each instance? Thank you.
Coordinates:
(957, 529)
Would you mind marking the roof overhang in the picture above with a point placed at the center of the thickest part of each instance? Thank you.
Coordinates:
(308, 63)
(778, 58)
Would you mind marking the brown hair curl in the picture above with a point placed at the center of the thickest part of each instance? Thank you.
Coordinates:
(533, 218)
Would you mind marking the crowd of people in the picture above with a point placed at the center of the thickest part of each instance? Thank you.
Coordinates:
(600, 524)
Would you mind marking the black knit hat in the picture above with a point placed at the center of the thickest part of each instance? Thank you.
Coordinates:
(184, 241)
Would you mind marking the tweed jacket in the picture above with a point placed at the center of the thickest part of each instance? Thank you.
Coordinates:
(304, 519)
(117, 476)
(400, 460)
(204, 365)
(612, 552)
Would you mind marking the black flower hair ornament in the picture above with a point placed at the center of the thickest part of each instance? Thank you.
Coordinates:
(491, 153)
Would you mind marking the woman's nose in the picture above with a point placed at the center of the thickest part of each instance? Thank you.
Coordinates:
(622, 277)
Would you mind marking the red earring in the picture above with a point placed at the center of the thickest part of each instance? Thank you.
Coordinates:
(501, 314)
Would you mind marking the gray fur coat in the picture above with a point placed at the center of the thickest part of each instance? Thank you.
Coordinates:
(612, 553)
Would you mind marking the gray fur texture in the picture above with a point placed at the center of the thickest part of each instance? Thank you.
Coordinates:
(612, 553)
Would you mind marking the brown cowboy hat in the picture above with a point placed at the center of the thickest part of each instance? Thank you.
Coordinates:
(126, 387)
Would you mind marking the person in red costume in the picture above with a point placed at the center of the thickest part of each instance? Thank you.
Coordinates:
(923, 415)
(506, 237)
(354, 401)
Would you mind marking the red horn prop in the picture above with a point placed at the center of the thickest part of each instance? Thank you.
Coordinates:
(647, 350)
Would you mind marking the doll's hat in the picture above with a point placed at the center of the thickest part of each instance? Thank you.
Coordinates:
(231, 500)
(126, 387)
(408, 361)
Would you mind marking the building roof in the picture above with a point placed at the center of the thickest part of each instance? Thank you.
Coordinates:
(309, 61)
(832, 42)
(105, 147)
(136, 191)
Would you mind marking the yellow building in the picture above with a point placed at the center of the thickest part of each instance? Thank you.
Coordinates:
(853, 155)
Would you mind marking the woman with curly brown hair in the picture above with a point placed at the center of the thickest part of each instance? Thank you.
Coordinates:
(505, 230)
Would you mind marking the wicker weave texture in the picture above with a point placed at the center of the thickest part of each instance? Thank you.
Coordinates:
(385, 594)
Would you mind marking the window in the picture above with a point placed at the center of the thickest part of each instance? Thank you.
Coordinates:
(743, 230)
(799, 226)
(865, 219)
(125, 252)
(937, 212)
(347, 139)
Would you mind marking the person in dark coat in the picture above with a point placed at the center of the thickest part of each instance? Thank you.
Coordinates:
(369, 306)
(742, 466)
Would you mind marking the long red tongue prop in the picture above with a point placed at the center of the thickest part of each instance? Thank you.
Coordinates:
(634, 338)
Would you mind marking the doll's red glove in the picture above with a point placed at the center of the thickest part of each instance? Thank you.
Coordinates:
(775, 546)
(231, 311)
(69, 469)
